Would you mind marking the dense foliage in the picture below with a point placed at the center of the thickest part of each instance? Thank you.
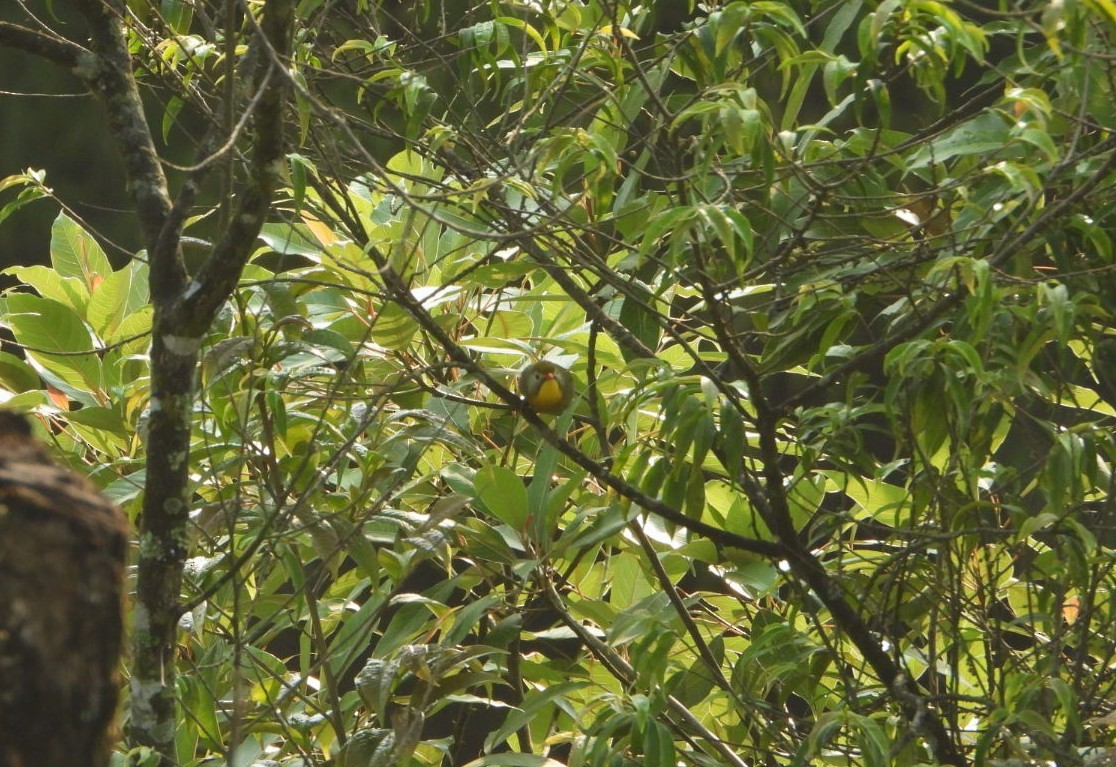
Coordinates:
(834, 279)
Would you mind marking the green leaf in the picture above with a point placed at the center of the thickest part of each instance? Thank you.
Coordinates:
(503, 494)
(374, 683)
(535, 703)
(365, 748)
(874, 743)
(101, 419)
(691, 686)
(658, 746)
(643, 606)
(393, 328)
(74, 253)
(31, 188)
(876, 500)
(514, 760)
(48, 283)
(637, 318)
(46, 326)
(981, 136)
(291, 240)
(115, 299)
(16, 375)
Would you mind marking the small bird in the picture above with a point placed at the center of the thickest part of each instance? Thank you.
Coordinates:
(547, 387)
(62, 548)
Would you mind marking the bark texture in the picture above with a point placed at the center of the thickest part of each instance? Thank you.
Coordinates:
(62, 547)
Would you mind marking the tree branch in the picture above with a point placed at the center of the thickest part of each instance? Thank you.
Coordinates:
(107, 71)
(183, 312)
(218, 276)
(56, 49)
(680, 715)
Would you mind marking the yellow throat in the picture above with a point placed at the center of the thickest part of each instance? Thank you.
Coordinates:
(548, 396)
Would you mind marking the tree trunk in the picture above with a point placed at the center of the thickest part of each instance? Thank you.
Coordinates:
(62, 551)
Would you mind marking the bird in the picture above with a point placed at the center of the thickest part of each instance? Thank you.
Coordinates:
(547, 387)
(62, 551)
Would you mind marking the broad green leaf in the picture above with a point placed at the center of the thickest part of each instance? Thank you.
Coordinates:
(393, 328)
(71, 292)
(534, 704)
(45, 326)
(658, 746)
(877, 500)
(503, 494)
(113, 301)
(75, 253)
(514, 760)
(629, 582)
(16, 375)
(979, 136)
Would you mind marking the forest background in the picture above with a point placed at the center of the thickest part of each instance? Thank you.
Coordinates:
(835, 280)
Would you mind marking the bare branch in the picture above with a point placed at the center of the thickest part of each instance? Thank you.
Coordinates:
(219, 274)
(57, 49)
(108, 72)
